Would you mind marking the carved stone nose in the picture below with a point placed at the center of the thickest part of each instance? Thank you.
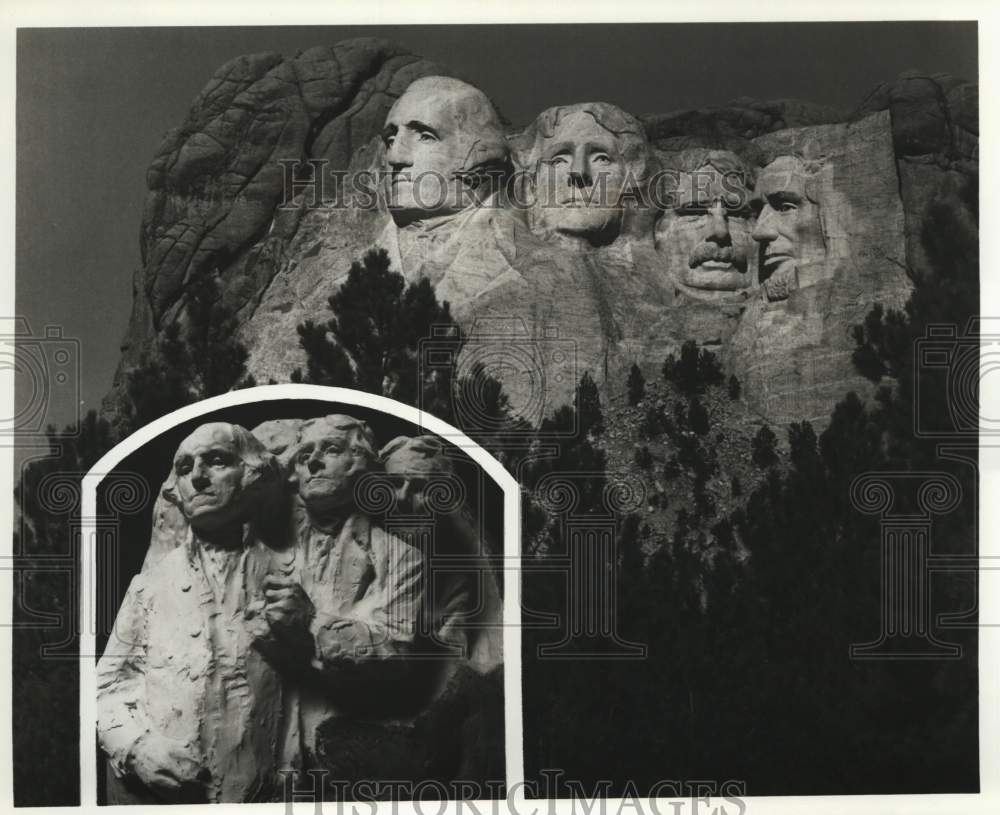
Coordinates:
(720, 232)
(399, 156)
(764, 229)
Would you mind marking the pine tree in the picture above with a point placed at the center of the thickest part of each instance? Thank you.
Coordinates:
(672, 469)
(636, 385)
(813, 582)
(704, 504)
(736, 486)
(652, 422)
(373, 342)
(197, 356)
(698, 417)
(380, 339)
(763, 448)
(218, 359)
(694, 371)
(46, 688)
(479, 406)
(734, 388)
(588, 400)
(326, 362)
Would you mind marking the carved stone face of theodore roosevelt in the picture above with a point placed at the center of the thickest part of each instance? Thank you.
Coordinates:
(705, 232)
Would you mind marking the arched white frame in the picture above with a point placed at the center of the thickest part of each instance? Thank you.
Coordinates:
(344, 396)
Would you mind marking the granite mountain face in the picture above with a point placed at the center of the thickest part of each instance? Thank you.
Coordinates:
(762, 230)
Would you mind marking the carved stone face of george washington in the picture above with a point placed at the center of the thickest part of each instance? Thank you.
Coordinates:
(440, 136)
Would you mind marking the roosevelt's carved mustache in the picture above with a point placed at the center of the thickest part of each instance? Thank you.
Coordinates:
(705, 252)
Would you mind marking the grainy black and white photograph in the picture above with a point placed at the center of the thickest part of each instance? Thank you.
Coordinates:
(707, 294)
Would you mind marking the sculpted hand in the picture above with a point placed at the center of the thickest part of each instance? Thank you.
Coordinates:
(288, 607)
(166, 765)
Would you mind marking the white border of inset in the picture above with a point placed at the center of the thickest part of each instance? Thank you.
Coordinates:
(343, 396)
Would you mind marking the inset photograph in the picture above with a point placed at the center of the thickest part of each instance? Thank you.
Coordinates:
(310, 598)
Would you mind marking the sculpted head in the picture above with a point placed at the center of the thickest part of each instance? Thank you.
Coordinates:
(585, 158)
(409, 464)
(789, 228)
(705, 230)
(442, 139)
(218, 473)
(279, 437)
(332, 452)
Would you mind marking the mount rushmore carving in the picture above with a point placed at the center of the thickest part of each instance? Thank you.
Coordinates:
(763, 231)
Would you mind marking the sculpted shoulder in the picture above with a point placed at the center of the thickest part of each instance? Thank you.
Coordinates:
(383, 544)
(165, 571)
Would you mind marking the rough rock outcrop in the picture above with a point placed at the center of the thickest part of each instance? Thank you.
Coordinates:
(935, 131)
(217, 182)
(732, 126)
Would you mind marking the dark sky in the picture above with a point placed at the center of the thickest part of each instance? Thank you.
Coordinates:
(92, 105)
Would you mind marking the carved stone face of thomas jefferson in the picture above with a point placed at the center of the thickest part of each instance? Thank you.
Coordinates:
(789, 230)
(705, 232)
(332, 453)
(584, 158)
(440, 136)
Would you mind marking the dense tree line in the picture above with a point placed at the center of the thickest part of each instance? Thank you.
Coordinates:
(747, 616)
